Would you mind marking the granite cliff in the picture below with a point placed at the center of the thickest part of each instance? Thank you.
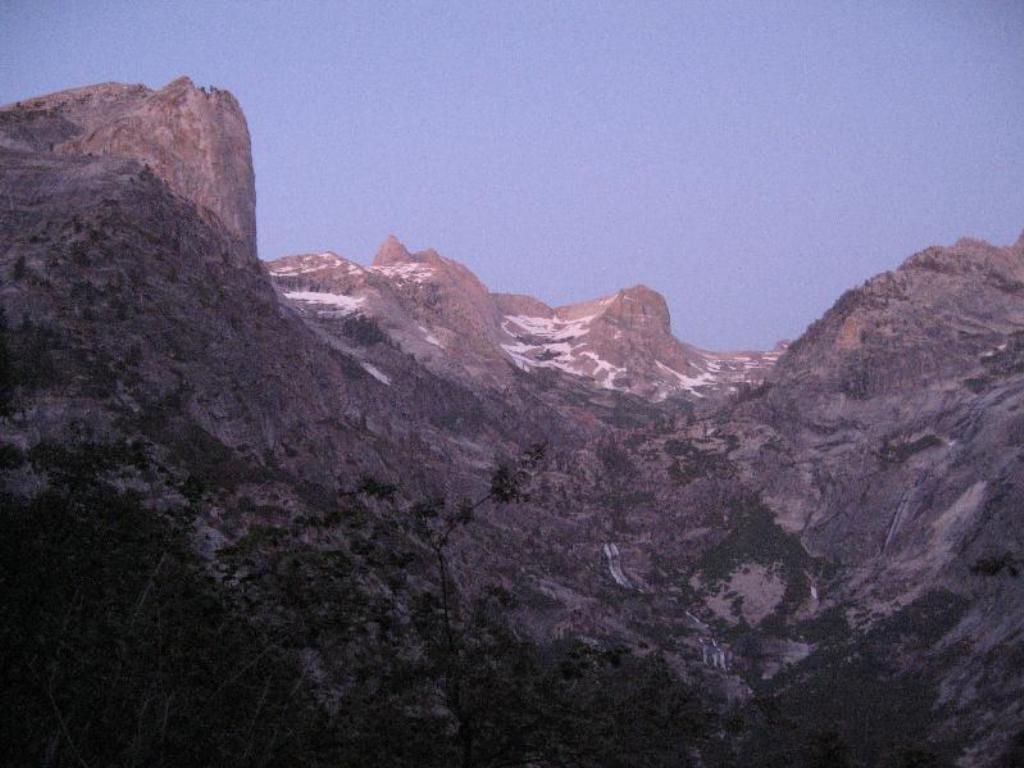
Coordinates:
(196, 140)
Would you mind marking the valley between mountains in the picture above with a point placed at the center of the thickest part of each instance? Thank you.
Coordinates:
(321, 512)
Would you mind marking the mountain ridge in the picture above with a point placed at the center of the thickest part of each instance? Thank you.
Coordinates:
(622, 341)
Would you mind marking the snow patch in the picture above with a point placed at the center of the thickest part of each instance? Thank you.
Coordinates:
(611, 552)
(689, 383)
(412, 273)
(521, 356)
(551, 342)
(379, 375)
(603, 370)
(346, 304)
(429, 337)
(547, 328)
(311, 263)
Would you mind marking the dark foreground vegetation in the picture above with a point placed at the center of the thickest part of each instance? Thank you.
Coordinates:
(122, 647)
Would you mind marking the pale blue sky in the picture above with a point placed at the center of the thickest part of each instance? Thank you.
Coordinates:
(749, 160)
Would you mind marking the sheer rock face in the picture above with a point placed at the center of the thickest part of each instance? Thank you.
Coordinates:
(196, 140)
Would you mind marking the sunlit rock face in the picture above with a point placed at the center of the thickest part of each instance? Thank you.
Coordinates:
(436, 309)
(196, 140)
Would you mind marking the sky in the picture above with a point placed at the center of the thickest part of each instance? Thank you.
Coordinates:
(749, 160)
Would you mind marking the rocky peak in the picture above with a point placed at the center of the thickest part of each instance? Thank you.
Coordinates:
(930, 322)
(182, 83)
(197, 141)
(639, 308)
(438, 310)
(194, 139)
(309, 264)
(966, 256)
(519, 304)
(391, 253)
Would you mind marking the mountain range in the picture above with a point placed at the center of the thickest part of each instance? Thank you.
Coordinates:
(622, 342)
(822, 540)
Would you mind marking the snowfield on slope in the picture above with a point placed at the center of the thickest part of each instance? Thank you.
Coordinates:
(340, 302)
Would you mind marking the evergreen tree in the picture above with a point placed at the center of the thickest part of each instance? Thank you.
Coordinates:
(6, 369)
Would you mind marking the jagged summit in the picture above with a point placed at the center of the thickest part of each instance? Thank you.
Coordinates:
(182, 81)
(640, 306)
(438, 310)
(392, 251)
(308, 263)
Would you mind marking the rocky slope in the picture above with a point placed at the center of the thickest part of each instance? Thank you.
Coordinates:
(898, 455)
